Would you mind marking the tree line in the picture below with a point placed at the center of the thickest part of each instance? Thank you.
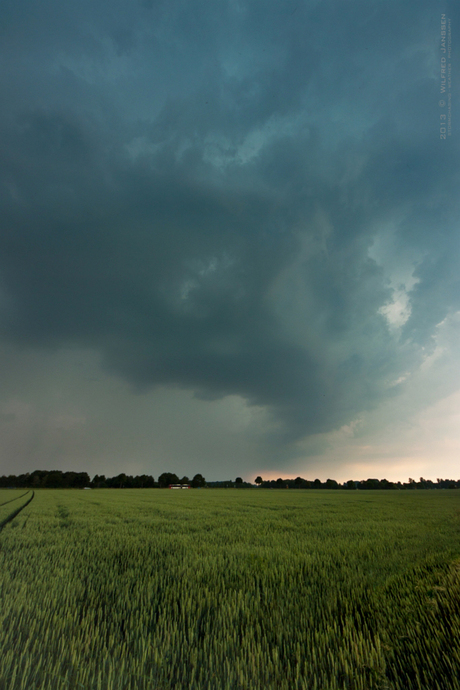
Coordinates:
(300, 483)
(56, 479)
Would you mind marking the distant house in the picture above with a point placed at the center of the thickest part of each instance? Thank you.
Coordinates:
(179, 486)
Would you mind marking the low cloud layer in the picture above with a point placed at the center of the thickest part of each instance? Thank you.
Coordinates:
(244, 199)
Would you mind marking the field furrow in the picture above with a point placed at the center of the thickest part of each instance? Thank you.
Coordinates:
(10, 509)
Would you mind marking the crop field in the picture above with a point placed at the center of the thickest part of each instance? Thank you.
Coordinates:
(230, 589)
(12, 502)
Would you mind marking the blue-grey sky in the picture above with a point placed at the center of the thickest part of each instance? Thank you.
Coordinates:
(230, 238)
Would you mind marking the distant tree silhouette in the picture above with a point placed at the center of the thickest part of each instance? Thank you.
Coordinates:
(198, 481)
(331, 484)
(118, 482)
(167, 478)
(55, 479)
(145, 481)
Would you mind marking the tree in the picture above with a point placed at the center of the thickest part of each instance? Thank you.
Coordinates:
(167, 478)
(239, 481)
(54, 480)
(198, 481)
(371, 484)
(117, 482)
(258, 481)
(331, 484)
(98, 481)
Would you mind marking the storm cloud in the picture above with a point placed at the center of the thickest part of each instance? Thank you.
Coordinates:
(234, 199)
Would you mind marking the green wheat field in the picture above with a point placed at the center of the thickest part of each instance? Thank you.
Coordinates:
(229, 589)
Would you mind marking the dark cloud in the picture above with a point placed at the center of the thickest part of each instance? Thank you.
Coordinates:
(194, 191)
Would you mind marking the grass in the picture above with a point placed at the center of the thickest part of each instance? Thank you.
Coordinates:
(227, 589)
(11, 503)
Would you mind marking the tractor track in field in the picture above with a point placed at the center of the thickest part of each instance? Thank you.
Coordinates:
(16, 512)
(14, 499)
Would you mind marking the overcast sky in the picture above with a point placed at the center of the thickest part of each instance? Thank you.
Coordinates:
(230, 238)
